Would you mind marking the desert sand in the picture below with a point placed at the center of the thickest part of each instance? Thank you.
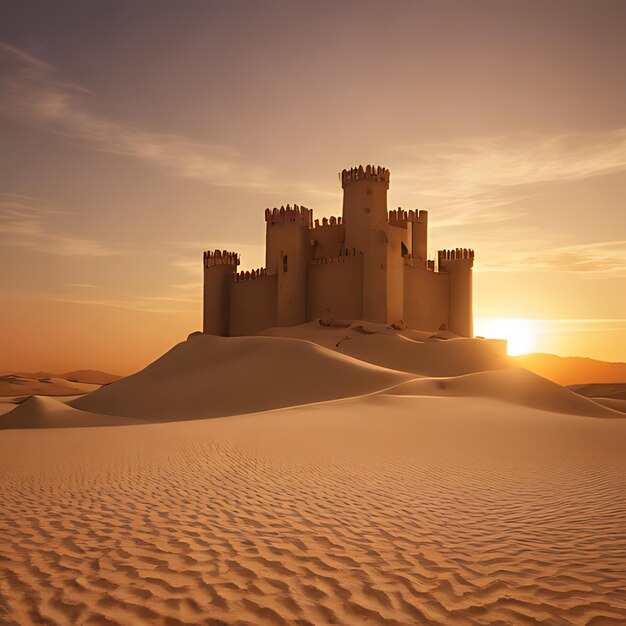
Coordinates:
(349, 475)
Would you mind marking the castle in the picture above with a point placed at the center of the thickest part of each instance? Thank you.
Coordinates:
(369, 264)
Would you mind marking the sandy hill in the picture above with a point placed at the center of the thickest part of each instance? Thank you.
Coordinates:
(407, 350)
(572, 370)
(208, 376)
(601, 390)
(612, 395)
(515, 386)
(47, 412)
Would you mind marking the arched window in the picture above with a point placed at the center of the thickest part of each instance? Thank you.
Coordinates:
(285, 263)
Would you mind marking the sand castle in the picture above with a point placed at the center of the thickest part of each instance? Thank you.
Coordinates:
(369, 264)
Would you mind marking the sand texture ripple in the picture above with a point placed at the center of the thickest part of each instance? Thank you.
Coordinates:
(378, 510)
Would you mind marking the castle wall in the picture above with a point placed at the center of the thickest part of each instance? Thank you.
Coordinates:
(426, 298)
(395, 274)
(253, 305)
(334, 288)
(216, 310)
(329, 239)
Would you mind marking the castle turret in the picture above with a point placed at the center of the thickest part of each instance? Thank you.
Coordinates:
(220, 267)
(365, 219)
(458, 263)
(287, 253)
(419, 236)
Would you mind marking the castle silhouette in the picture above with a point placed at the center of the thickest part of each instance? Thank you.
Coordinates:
(369, 264)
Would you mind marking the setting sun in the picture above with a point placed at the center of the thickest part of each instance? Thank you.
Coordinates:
(518, 332)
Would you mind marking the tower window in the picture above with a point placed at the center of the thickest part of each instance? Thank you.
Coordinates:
(285, 263)
(403, 249)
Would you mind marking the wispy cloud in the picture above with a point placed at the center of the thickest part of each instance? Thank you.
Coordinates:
(24, 223)
(486, 186)
(599, 259)
(478, 178)
(35, 93)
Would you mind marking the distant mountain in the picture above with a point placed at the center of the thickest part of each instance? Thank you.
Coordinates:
(572, 370)
(94, 377)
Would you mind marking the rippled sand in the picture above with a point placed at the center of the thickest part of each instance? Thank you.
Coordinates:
(379, 510)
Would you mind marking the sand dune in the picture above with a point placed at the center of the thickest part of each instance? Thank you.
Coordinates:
(22, 385)
(597, 390)
(610, 395)
(514, 385)
(384, 497)
(47, 412)
(404, 350)
(612, 403)
(208, 376)
(380, 510)
(95, 377)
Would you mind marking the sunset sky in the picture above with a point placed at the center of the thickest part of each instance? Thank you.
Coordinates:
(136, 134)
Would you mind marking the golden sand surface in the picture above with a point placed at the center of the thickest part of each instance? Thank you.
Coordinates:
(476, 498)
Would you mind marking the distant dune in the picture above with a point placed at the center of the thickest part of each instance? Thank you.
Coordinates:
(94, 377)
(572, 370)
(22, 385)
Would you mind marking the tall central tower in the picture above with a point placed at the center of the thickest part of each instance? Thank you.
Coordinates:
(365, 219)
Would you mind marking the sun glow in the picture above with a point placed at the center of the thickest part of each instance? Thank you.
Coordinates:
(519, 333)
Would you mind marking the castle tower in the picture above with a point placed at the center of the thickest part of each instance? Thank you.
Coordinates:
(458, 263)
(419, 236)
(287, 253)
(365, 219)
(219, 273)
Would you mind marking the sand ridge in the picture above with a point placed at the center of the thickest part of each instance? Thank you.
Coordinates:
(515, 385)
(209, 376)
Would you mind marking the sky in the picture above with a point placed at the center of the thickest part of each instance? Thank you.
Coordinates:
(136, 134)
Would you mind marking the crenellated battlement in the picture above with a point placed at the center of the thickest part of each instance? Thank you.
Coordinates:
(297, 215)
(370, 172)
(220, 257)
(250, 274)
(456, 254)
(399, 217)
(328, 221)
(344, 254)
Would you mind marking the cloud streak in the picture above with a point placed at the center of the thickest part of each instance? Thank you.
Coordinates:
(478, 179)
(24, 224)
(599, 259)
(33, 92)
